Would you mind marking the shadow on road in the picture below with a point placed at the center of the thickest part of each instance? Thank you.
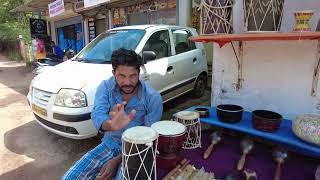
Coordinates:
(52, 154)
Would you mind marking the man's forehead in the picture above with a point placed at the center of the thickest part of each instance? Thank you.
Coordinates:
(126, 69)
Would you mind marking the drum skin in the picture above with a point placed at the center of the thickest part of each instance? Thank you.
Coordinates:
(307, 128)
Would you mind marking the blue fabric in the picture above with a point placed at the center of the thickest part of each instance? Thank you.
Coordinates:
(284, 135)
(90, 164)
(147, 103)
(58, 52)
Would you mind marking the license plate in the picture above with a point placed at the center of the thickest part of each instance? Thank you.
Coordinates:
(39, 110)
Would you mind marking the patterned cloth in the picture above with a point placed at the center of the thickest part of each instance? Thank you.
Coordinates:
(90, 164)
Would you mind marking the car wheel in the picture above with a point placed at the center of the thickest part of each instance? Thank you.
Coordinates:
(200, 86)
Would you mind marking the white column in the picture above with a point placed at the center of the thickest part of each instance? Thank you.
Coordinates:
(53, 31)
(85, 30)
(110, 18)
(184, 12)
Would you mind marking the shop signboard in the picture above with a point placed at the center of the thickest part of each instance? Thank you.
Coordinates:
(89, 3)
(38, 28)
(56, 8)
(92, 30)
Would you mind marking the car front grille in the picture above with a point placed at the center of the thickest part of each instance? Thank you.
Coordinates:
(41, 97)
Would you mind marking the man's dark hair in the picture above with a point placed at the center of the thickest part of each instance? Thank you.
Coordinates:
(125, 57)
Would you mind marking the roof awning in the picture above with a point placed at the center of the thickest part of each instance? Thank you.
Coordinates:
(42, 5)
(36, 6)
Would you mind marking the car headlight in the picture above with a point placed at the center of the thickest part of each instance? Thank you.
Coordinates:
(71, 98)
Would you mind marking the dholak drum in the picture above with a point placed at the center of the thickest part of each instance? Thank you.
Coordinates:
(139, 146)
(192, 122)
(171, 138)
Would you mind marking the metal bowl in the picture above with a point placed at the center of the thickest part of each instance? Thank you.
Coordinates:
(229, 113)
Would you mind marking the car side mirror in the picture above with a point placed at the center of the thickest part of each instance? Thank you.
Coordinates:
(148, 55)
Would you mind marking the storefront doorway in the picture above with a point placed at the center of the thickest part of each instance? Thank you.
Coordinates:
(70, 34)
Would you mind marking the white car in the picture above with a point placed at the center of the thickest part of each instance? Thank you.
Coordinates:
(62, 97)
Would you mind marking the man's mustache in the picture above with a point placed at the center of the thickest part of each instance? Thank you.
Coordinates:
(127, 86)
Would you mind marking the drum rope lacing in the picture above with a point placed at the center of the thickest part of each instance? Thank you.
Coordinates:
(127, 156)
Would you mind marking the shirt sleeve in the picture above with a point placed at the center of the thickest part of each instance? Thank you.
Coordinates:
(154, 110)
(101, 106)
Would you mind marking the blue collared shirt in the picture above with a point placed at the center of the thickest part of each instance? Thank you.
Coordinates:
(147, 103)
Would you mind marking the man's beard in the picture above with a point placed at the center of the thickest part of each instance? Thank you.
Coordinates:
(128, 86)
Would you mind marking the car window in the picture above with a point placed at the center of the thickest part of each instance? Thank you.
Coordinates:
(182, 42)
(159, 42)
(100, 50)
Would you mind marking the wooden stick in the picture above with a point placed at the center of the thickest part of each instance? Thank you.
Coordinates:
(180, 169)
(174, 170)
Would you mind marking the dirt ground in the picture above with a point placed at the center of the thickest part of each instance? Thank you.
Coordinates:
(28, 151)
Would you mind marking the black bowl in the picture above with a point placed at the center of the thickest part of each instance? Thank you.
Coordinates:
(264, 120)
(229, 113)
(203, 112)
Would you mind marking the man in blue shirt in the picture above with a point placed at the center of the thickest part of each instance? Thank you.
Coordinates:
(57, 51)
(121, 102)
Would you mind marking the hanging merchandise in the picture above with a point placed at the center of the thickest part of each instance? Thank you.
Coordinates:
(41, 50)
(119, 17)
(195, 18)
(303, 20)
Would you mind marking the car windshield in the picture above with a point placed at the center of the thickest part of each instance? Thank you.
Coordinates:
(100, 50)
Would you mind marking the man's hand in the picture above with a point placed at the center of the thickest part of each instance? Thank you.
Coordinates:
(119, 118)
(109, 170)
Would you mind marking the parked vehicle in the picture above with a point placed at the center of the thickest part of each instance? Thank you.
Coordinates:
(62, 97)
(40, 65)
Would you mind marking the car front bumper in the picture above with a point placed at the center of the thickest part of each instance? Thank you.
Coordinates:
(72, 123)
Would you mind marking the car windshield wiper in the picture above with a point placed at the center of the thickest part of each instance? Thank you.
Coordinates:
(85, 60)
(105, 62)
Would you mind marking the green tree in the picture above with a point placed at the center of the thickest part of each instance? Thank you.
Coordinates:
(13, 24)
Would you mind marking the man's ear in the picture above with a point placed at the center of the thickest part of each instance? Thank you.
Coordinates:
(113, 72)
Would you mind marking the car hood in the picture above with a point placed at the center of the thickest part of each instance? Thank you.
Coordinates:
(72, 75)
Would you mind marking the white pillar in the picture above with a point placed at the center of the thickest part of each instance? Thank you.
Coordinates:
(110, 18)
(184, 12)
(53, 32)
(85, 30)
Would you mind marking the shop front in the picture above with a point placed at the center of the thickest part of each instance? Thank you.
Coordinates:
(69, 33)
(147, 12)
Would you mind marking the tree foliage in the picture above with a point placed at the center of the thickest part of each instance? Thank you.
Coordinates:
(13, 24)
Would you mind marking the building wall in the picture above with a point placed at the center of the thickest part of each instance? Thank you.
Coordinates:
(277, 74)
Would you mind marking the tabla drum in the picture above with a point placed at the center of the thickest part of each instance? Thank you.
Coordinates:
(192, 122)
(139, 146)
(171, 139)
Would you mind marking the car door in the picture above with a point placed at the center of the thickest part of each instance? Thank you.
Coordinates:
(187, 57)
(159, 73)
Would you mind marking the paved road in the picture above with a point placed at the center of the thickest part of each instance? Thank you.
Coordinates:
(28, 151)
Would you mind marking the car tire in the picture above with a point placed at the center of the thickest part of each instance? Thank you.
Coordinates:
(200, 86)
